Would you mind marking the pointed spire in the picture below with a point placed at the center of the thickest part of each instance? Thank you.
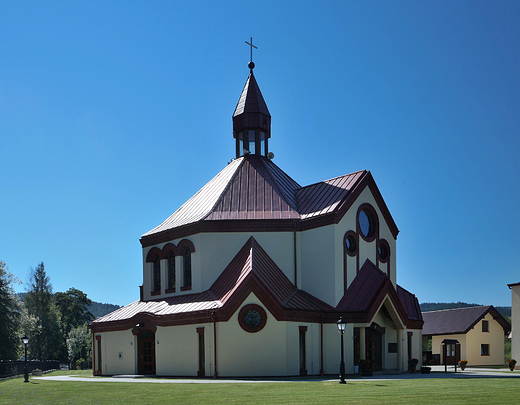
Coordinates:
(251, 119)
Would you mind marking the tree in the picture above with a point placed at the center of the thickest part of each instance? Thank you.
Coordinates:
(9, 315)
(79, 344)
(73, 306)
(47, 343)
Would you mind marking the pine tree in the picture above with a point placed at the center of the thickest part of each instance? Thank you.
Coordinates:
(48, 340)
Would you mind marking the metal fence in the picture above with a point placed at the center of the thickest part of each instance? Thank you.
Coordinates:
(12, 368)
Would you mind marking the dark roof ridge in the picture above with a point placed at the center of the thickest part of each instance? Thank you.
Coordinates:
(292, 199)
(224, 191)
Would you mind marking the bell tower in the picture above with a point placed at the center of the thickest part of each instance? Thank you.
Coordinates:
(251, 119)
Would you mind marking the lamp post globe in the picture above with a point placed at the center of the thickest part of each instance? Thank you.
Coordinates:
(342, 324)
(25, 341)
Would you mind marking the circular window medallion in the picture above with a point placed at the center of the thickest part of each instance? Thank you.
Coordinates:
(252, 318)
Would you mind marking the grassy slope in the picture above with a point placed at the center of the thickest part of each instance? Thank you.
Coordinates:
(419, 391)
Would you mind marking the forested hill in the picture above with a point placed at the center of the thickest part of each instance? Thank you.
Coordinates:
(97, 308)
(437, 306)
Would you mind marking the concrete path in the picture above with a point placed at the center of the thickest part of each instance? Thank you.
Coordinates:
(437, 372)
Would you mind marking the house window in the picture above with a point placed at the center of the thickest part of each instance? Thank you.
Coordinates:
(484, 350)
(485, 326)
(171, 272)
(186, 270)
(157, 274)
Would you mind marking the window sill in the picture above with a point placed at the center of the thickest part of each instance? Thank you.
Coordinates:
(187, 288)
(155, 293)
(170, 291)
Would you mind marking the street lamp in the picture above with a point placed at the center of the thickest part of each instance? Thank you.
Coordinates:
(25, 341)
(342, 324)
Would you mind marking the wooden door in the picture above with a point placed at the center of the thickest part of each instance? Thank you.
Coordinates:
(146, 353)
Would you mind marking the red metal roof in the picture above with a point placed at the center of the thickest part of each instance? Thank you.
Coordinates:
(326, 196)
(363, 289)
(410, 303)
(257, 190)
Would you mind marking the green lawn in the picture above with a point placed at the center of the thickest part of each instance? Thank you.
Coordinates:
(418, 391)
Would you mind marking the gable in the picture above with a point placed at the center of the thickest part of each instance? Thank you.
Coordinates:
(369, 290)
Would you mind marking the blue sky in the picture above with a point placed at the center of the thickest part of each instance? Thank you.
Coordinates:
(113, 114)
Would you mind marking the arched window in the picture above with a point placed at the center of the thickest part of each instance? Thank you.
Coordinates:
(157, 274)
(186, 270)
(171, 272)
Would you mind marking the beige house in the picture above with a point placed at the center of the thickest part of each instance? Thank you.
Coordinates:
(515, 323)
(250, 276)
(479, 330)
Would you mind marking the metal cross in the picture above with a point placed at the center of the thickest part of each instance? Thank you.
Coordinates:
(252, 46)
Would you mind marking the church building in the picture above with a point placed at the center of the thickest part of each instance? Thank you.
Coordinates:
(250, 276)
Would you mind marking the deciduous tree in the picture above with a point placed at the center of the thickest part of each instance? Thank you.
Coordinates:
(9, 315)
(73, 306)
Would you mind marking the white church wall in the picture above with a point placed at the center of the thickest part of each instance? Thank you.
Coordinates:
(318, 263)
(177, 351)
(253, 354)
(218, 249)
(332, 348)
(312, 348)
(118, 352)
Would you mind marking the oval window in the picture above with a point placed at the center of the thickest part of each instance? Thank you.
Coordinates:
(383, 251)
(350, 243)
(365, 223)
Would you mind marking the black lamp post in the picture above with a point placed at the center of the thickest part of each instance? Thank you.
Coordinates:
(341, 328)
(25, 341)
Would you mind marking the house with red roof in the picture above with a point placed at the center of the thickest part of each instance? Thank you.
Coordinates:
(250, 276)
(475, 334)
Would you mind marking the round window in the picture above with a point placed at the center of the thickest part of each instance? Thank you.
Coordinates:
(367, 222)
(252, 318)
(383, 251)
(350, 243)
(365, 225)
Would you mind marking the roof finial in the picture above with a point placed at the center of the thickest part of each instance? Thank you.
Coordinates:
(251, 64)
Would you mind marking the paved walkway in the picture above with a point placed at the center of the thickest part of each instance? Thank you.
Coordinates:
(437, 372)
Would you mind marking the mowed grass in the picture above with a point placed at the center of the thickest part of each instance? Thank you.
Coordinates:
(417, 391)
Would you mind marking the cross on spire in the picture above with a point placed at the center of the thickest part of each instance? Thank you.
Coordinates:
(252, 46)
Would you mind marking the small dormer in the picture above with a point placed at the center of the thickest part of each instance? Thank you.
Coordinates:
(251, 120)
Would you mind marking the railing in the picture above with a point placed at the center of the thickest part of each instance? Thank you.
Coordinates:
(12, 368)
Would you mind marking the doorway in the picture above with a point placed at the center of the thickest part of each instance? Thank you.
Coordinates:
(374, 348)
(146, 353)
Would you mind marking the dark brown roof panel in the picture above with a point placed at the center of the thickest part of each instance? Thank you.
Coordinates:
(458, 320)
(410, 303)
(363, 289)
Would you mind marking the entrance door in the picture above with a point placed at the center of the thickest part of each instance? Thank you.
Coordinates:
(146, 353)
(374, 348)
(452, 353)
